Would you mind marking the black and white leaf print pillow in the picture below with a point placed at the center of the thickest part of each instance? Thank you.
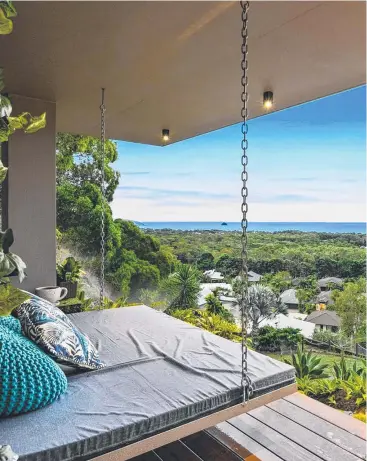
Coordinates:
(47, 326)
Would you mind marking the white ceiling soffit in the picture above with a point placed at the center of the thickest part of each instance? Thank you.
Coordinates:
(176, 65)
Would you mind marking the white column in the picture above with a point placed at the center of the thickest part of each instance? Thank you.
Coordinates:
(32, 194)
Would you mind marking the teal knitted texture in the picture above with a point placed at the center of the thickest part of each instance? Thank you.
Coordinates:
(29, 379)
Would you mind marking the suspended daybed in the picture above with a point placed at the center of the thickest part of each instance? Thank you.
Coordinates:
(165, 379)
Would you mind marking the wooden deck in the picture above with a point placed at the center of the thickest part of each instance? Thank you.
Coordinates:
(294, 428)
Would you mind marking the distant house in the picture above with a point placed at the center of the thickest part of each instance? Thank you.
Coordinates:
(289, 298)
(324, 284)
(289, 321)
(214, 276)
(324, 298)
(207, 288)
(325, 320)
(253, 277)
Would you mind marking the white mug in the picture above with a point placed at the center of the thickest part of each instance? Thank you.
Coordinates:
(52, 294)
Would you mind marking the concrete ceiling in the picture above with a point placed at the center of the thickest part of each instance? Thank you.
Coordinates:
(175, 64)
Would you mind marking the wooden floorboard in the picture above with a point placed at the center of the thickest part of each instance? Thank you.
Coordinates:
(272, 440)
(177, 451)
(324, 449)
(322, 428)
(209, 448)
(335, 417)
(147, 457)
(245, 447)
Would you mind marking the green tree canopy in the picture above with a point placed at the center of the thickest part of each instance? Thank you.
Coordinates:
(134, 260)
(350, 304)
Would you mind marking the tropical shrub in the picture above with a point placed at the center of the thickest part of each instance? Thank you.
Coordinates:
(307, 364)
(360, 416)
(70, 270)
(271, 339)
(214, 306)
(355, 388)
(210, 322)
(262, 303)
(317, 387)
(344, 372)
(183, 287)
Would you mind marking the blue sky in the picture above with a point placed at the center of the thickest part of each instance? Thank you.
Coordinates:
(307, 163)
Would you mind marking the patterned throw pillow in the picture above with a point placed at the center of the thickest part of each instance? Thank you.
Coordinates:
(52, 331)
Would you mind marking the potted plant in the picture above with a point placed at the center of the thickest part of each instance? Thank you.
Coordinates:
(68, 275)
(10, 264)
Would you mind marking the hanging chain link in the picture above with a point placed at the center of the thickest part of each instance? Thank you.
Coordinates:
(245, 381)
(103, 212)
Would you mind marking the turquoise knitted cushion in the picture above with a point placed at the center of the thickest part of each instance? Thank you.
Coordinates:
(29, 379)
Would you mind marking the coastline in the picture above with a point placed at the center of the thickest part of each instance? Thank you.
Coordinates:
(328, 227)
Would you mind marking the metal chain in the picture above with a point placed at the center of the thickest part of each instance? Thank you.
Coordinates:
(103, 212)
(245, 380)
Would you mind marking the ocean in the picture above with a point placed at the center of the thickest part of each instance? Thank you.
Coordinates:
(332, 227)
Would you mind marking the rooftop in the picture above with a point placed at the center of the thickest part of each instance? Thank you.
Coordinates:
(289, 296)
(324, 283)
(325, 317)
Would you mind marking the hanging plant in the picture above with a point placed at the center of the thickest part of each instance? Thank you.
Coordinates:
(7, 11)
(25, 121)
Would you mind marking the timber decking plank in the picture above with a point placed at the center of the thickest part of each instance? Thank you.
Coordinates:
(319, 446)
(241, 444)
(151, 456)
(209, 448)
(273, 441)
(335, 417)
(328, 431)
(176, 451)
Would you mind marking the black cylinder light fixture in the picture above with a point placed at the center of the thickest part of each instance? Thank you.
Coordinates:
(268, 100)
(165, 135)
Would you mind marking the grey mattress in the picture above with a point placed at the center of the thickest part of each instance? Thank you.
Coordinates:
(161, 373)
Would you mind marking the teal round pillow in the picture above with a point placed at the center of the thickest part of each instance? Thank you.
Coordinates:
(29, 379)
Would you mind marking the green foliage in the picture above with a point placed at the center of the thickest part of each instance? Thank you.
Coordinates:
(307, 364)
(7, 11)
(261, 303)
(350, 304)
(10, 298)
(134, 260)
(210, 322)
(355, 388)
(271, 339)
(10, 262)
(205, 261)
(360, 416)
(86, 303)
(183, 287)
(316, 387)
(70, 270)
(214, 306)
(300, 253)
(335, 339)
(306, 293)
(343, 371)
(110, 304)
(278, 282)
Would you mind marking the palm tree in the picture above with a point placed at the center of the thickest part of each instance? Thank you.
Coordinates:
(183, 287)
(262, 303)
